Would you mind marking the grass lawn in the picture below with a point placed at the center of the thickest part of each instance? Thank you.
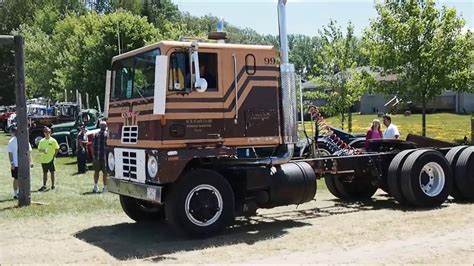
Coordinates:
(72, 195)
(443, 126)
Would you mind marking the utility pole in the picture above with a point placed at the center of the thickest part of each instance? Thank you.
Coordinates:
(98, 104)
(87, 100)
(24, 185)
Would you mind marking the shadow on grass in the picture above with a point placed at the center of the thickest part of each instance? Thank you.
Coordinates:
(91, 193)
(9, 208)
(389, 204)
(155, 241)
(8, 200)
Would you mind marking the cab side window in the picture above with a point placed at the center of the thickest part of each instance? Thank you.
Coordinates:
(181, 76)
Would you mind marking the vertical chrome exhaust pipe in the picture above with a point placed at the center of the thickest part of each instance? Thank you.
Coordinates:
(288, 97)
(288, 87)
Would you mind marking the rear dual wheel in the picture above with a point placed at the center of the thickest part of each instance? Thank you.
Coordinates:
(461, 160)
(452, 156)
(426, 178)
(357, 188)
(393, 177)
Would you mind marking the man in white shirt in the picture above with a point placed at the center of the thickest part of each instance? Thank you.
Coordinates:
(12, 150)
(392, 130)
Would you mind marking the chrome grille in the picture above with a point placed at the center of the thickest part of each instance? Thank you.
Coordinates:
(129, 164)
(129, 134)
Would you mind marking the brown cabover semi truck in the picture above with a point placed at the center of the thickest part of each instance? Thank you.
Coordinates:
(179, 111)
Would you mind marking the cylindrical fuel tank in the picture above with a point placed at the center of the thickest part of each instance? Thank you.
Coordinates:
(291, 183)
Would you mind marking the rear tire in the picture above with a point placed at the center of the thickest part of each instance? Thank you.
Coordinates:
(200, 204)
(63, 149)
(140, 210)
(357, 189)
(452, 156)
(331, 186)
(426, 178)
(464, 174)
(35, 137)
(394, 177)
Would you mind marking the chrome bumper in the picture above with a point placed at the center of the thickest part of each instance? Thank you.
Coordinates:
(135, 190)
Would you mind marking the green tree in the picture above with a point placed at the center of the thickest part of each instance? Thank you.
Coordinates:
(39, 61)
(423, 47)
(7, 78)
(303, 50)
(85, 46)
(110, 6)
(337, 58)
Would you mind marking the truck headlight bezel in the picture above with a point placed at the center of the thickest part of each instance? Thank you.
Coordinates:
(152, 166)
(111, 161)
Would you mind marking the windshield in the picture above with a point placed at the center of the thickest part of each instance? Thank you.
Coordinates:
(36, 111)
(135, 76)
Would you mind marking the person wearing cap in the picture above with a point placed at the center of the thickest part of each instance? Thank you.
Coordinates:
(81, 149)
(98, 153)
(12, 150)
(48, 148)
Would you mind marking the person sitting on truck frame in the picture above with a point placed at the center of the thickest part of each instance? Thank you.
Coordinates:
(392, 130)
(374, 132)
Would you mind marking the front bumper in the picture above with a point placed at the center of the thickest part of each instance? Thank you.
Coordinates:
(135, 190)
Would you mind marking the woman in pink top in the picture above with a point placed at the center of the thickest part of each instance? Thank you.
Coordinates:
(374, 132)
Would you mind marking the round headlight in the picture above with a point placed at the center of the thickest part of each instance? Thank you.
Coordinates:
(111, 161)
(152, 166)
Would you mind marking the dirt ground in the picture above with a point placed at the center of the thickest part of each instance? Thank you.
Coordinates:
(322, 231)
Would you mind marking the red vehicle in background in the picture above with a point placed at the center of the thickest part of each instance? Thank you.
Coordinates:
(4, 115)
(90, 138)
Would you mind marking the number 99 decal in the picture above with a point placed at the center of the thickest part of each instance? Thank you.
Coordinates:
(269, 61)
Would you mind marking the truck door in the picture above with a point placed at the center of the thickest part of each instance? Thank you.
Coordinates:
(194, 117)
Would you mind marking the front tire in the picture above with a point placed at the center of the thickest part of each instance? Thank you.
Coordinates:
(140, 210)
(200, 204)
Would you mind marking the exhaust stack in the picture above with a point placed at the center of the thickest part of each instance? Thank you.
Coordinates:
(288, 90)
(288, 100)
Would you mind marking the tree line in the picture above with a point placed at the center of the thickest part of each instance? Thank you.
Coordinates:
(70, 43)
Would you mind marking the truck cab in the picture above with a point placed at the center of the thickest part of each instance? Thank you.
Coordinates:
(179, 111)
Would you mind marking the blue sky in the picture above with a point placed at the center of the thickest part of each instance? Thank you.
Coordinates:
(304, 16)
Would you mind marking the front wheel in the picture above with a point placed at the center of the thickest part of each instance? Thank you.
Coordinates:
(201, 204)
(140, 210)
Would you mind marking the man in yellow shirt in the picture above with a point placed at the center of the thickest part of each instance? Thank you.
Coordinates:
(48, 148)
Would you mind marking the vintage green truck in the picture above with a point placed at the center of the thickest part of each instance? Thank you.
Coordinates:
(66, 133)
